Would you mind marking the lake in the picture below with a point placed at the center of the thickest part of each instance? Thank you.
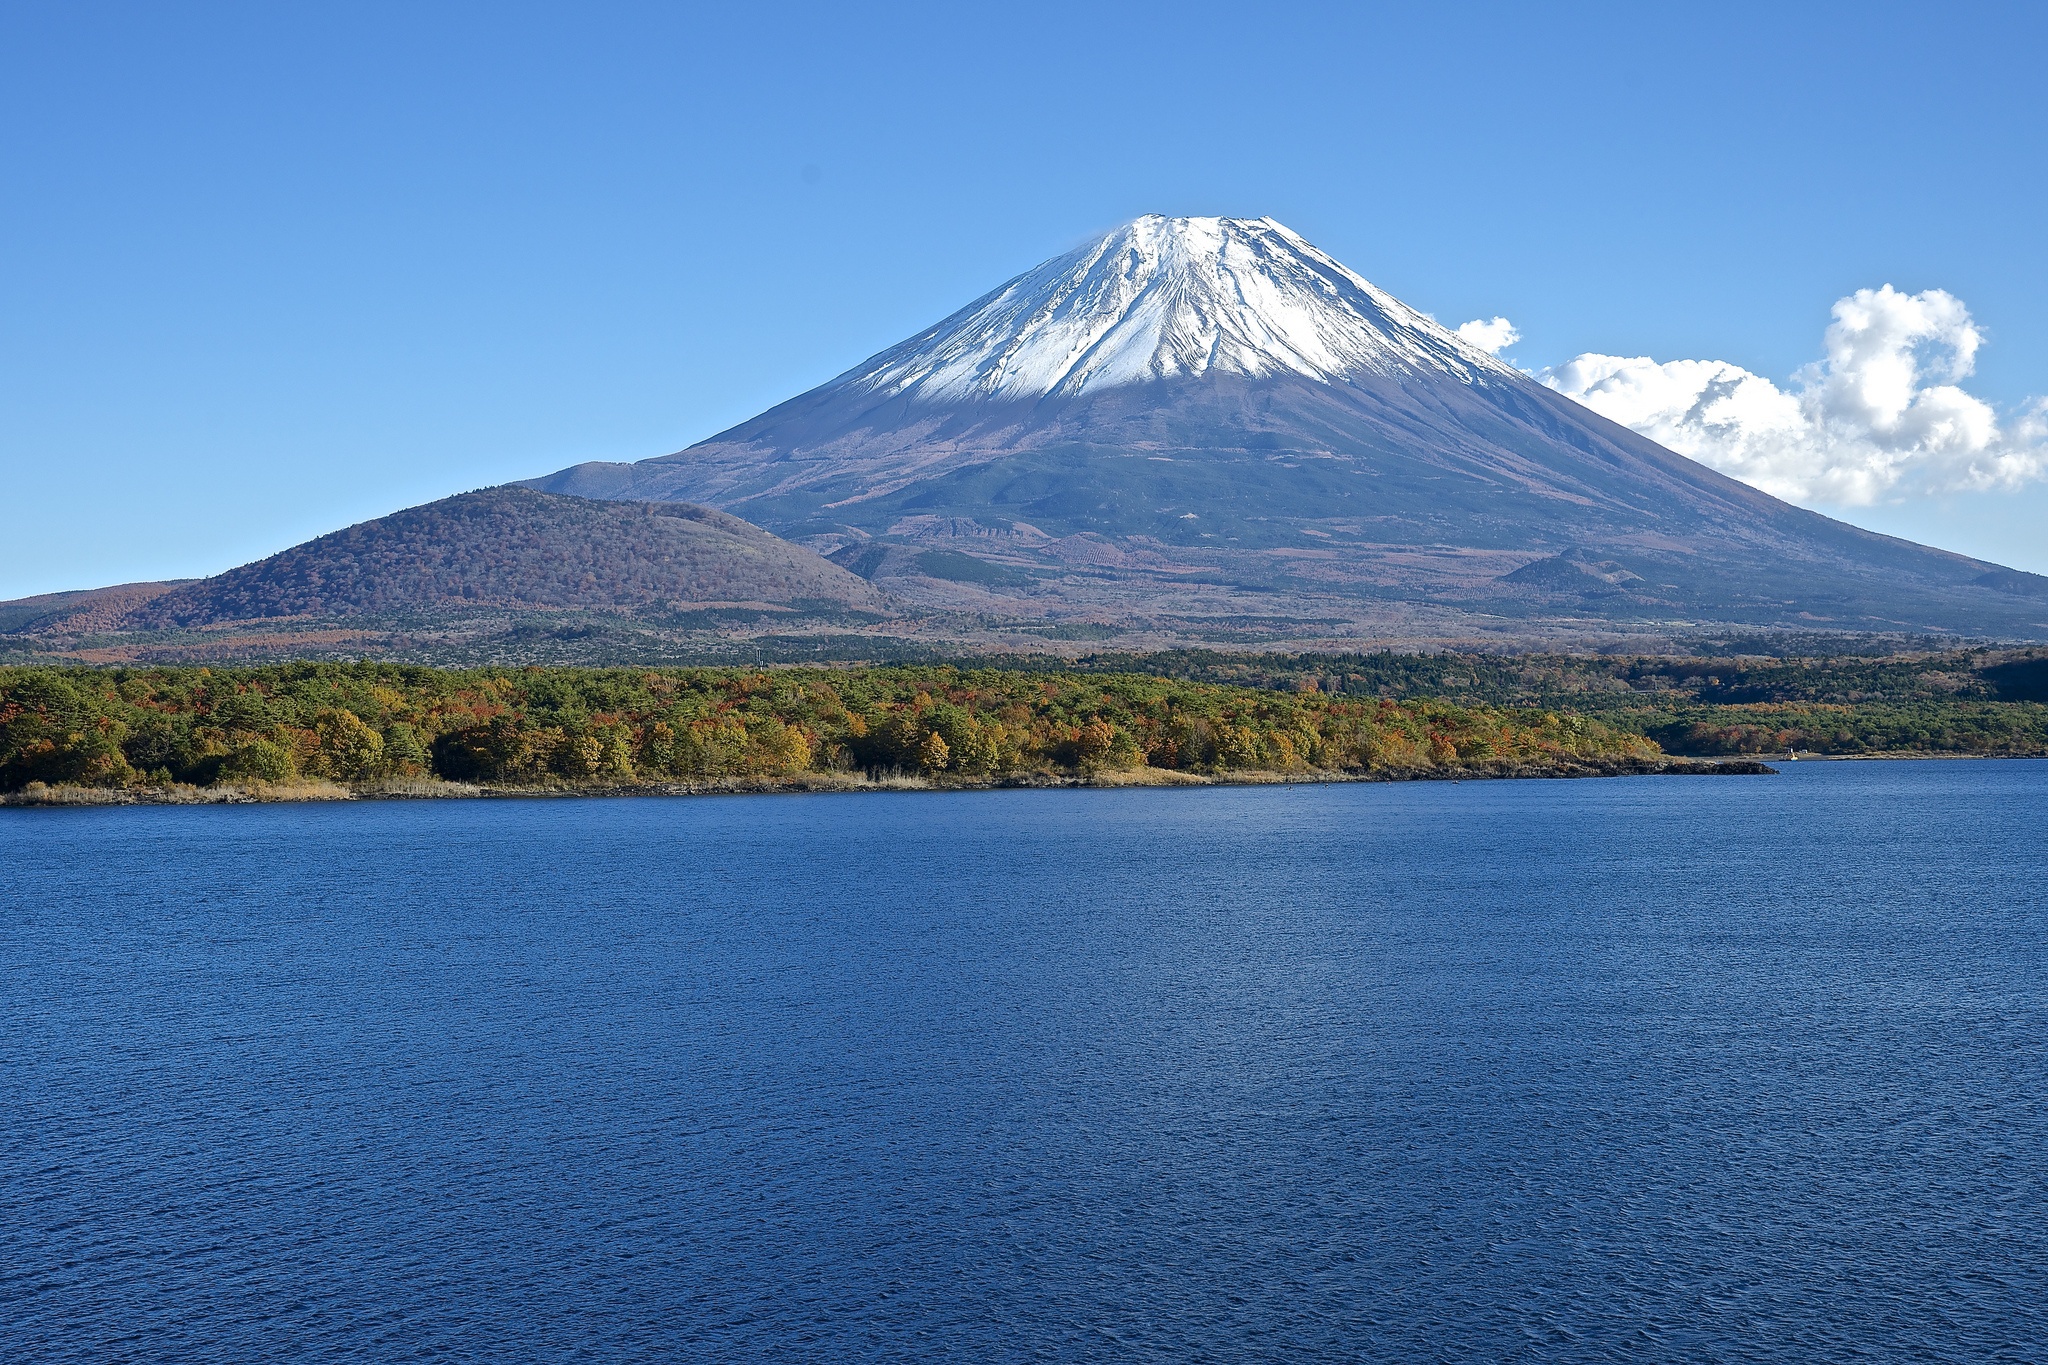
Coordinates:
(1717, 1069)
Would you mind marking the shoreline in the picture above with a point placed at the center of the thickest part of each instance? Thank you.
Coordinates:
(39, 795)
(1876, 756)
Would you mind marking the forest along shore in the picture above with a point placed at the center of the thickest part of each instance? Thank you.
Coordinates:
(1869, 699)
(338, 731)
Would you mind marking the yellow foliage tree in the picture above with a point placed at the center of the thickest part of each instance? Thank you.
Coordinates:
(344, 747)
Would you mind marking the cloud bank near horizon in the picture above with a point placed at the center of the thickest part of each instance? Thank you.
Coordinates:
(1882, 413)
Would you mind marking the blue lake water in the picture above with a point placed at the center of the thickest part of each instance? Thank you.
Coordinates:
(1744, 1069)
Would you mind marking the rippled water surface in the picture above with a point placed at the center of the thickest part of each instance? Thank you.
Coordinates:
(1644, 1069)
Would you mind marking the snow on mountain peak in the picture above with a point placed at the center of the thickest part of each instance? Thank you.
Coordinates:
(1166, 298)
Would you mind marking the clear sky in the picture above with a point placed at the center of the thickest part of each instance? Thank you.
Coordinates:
(267, 270)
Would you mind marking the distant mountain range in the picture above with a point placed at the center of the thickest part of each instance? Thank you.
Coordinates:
(1208, 419)
(1191, 430)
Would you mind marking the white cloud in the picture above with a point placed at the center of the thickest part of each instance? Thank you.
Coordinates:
(1492, 337)
(1883, 413)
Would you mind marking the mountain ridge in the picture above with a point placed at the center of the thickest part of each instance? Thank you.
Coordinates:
(515, 548)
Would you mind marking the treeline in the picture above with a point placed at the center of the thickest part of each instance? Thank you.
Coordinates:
(358, 723)
(1580, 681)
(1979, 701)
(1987, 728)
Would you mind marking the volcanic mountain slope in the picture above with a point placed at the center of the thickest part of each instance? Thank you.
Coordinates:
(519, 549)
(1210, 417)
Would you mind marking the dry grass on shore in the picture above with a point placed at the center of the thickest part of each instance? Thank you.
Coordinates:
(431, 788)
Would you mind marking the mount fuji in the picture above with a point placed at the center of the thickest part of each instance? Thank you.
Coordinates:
(1207, 424)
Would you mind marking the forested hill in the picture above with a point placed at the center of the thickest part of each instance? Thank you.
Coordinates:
(513, 547)
(93, 609)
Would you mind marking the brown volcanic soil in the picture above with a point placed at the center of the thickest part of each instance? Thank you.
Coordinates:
(517, 548)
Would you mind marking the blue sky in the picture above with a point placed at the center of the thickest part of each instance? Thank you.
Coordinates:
(267, 270)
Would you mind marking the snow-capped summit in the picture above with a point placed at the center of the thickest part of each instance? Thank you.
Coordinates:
(1165, 298)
